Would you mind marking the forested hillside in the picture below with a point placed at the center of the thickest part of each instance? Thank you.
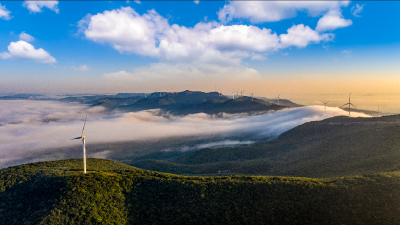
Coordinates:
(113, 193)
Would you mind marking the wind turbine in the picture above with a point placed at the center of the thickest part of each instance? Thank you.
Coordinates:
(233, 94)
(325, 104)
(84, 149)
(252, 96)
(379, 112)
(349, 105)
(278, 98)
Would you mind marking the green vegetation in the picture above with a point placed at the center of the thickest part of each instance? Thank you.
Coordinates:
(338, 146)
(113, 193)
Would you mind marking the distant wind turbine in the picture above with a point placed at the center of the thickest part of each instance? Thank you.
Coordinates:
(84, 149)
(349, 105)
(379, 112)
(278, 98)
(325, 104)
(233, 94)
(252, 96)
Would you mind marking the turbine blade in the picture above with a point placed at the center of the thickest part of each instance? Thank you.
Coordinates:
(84, 125)
(76, 138)
(353, 105)
(343, 105)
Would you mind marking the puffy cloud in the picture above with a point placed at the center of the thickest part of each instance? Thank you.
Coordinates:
(126, 30)
(300, 36)
(355, 10)
(209, 43)
(81, 68)
(4, 13)
(332, 20)
(26, 37)
(25, 51)
(36, 6)
(196, 2)
(270, 11)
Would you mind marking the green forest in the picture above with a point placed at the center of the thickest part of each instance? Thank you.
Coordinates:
(57, 192)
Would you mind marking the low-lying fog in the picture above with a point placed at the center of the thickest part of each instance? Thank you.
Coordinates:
(29, 127)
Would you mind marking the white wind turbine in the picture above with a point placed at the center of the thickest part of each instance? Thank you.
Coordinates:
(325, 104)
(84, 149)
(278, 98)
(349, 105)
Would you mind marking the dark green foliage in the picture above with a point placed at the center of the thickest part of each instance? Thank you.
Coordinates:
(338, 146)
(113, 193)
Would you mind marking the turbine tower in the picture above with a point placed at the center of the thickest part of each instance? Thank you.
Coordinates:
(325, 104)
(349, 105)
(252, 96)
(84, 149)
(233, 94)
(379, 112)
(278, 98)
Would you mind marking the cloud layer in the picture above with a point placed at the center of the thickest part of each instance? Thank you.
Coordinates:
(28, 128)
(37, 6)
(272, 11)
(25, 51)
(4, 13)
(151, 35)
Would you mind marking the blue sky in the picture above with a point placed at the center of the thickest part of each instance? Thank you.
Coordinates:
(301, 47)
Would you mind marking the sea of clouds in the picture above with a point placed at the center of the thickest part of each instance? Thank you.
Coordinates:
(29, 127)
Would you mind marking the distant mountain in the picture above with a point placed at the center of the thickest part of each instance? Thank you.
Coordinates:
(282, 102)
(113, 193)
(368, 112)
(21, 97)
(188, 102)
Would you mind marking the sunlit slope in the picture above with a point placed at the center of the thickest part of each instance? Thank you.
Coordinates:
(188, 102)
(58, 193)
(338, 146)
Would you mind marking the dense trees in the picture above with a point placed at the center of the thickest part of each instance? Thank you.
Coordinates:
(113, 193)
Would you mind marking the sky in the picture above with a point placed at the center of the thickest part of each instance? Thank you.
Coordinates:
(264, 47)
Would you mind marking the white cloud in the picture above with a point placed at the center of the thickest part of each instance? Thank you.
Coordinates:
(81, 68)
(346, 51)
(270, 11)
(196, 2)
(332, 20)
(211, 43)
(164, 72)
(26, 37)
(25, 51)
(300, 36)
(137, 2)
(27, 126)
(121, 76)
(355, 10)
(4, 13)
(36, 6)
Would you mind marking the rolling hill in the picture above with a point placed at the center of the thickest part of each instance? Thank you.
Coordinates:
(189, 102)
(337, 146)
(112, 193)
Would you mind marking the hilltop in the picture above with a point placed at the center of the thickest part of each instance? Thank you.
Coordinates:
(187, 102)
(338, 146)
(58, 193)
